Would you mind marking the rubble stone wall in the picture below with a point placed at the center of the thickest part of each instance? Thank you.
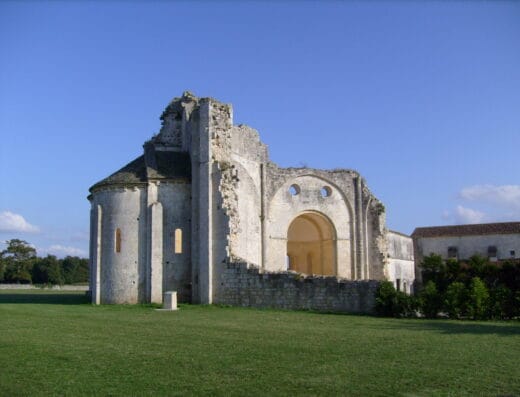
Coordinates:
(241, 285)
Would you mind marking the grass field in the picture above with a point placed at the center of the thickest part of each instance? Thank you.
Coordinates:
(54, 343)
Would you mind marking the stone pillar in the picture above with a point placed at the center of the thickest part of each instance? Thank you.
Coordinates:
(205, 203)
(263, 237)
(367, 248)
(156, 252)
(359, 231)
(95, 253)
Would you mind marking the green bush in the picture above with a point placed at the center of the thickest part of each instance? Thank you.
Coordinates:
(386, 296)
(455, 300)
(478, 298)
(453, 270)
(501, 304)
(433, 269)
(405, 305)
(392, 303)
(430, 301)
(509, 275)
(2, 270)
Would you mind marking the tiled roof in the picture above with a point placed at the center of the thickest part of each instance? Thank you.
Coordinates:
(131, 174)
(468, 230)
(155, 164)
(170, 165)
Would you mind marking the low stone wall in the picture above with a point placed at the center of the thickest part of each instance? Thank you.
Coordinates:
(53, 287)
(243, 285)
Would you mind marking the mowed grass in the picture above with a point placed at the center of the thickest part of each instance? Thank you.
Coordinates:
(54, 343)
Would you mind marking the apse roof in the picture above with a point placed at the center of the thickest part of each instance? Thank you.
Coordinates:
(156, 165)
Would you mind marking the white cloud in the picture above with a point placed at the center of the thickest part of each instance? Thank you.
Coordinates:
(507, 196)
(11, 222)
(61, 251)
(465, 215)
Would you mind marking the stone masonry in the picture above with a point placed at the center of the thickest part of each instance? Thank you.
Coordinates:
(204, 200)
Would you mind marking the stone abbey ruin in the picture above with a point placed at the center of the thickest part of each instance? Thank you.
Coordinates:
(204, 212)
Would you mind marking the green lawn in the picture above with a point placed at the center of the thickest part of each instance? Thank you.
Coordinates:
(53, 343)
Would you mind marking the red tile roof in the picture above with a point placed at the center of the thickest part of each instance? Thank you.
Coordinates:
(468, 230)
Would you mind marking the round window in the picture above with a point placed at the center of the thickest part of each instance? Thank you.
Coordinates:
(325, 191)
(294, 190)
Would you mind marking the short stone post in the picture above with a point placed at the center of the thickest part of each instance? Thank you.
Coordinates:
(170, 300)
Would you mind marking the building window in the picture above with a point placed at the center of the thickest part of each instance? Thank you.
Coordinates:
(118, 240)
(453, 252)
(512, 253)
(178, 241)
(492, 251)
(294, 190)
(325, 191)
(398, 284)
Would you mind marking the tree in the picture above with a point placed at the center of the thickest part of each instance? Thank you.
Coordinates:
(430, 300)
(434, 269)
(17, 261)
(509, 275)
(74, 269)
(19, 250)
(456, 300)
(386, 299)
(452, 269)
(476, 265)
(478, 299)
(501, 303)
(47, 271)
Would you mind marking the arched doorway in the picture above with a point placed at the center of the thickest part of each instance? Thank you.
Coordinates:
(311, 245)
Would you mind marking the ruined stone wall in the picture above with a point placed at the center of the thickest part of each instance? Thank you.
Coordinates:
(243, 286)
(244, 207)
(358, 217)
(283, 207)
(248, 156)
(237, 209)
(236, 158)
(376, 241)
(239, 156)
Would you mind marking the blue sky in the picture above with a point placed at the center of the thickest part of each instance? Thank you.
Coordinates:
(422, 98)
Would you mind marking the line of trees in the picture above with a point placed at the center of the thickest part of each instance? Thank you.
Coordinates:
(474, 289)
(19, 264)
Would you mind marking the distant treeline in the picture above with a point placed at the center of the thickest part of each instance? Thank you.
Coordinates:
(19, 264)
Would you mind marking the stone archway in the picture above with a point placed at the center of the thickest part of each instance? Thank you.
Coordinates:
(311, 245)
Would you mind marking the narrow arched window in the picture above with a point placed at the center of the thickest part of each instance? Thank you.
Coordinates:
(178, 241)
(118, 240)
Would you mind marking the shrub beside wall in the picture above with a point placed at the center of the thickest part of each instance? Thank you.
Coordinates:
(476, 289)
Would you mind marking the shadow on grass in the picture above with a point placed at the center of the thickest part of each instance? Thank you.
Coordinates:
(50, 298)
(454, 327)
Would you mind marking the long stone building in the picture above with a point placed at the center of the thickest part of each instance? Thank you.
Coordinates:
(204, 212)
(495, 241)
